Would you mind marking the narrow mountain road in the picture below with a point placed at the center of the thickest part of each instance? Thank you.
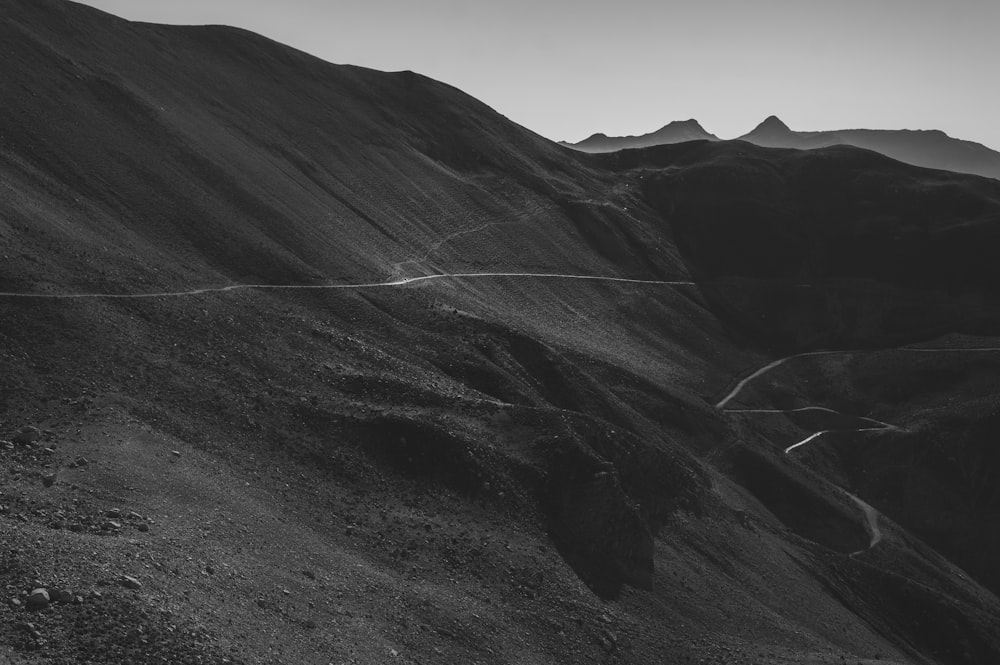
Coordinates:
(882, 425)
(816, 435)
(871, 518)
(731, 395)
(870, 513)
(358, 285)
(721, 404)
(525, 217)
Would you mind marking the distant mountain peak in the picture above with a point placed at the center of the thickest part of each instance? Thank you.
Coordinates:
(690, 125)
(690, 122)
(672, 132)
(772, 124)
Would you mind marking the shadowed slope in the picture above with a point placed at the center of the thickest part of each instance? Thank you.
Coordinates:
(837, 246)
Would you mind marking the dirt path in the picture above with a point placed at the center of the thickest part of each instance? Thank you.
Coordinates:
(359, 285)
(871, 517)
(816, 435)
(880, 425)
(721, 404)
(871, 514)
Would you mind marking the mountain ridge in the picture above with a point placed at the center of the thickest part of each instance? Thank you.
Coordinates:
(930, 148)
(673, 132)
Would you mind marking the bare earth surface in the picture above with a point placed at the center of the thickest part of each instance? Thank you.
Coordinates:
(305, 363)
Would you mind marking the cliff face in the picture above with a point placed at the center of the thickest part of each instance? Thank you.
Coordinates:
(342, 364)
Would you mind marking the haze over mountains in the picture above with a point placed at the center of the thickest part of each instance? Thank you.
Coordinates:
(332, 365)
(929, 148)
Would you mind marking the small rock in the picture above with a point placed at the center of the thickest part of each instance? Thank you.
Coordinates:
(143, 527)
(129, 582)
(81, 461)
(49, 479)
(310, 574)
(64, 596)
(78, 600)
(38, 600)
(14, 603)
(114, 513)
(110, 525)
(175, 453)
(31, 630)
(27, 435)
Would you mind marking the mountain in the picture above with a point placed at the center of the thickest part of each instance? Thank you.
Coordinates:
(931, 148)
(306, 363)
(677, 131)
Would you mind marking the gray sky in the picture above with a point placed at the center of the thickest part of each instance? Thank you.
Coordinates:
(567, 69)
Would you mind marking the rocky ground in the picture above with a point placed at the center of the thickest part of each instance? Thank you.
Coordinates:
(526, 464)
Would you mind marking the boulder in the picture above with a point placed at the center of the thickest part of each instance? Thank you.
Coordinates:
(27, 435)
(38, 599)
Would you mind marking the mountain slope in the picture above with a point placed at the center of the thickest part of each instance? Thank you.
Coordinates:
(304, 454)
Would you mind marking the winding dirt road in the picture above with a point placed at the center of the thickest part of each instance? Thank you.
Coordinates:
(816, 435)
(870, 513)
(359, 285)
(871, 519)
(721, 404)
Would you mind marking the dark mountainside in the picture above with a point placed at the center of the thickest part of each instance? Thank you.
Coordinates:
(568, 447)
(928, 148)
(677, 131)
